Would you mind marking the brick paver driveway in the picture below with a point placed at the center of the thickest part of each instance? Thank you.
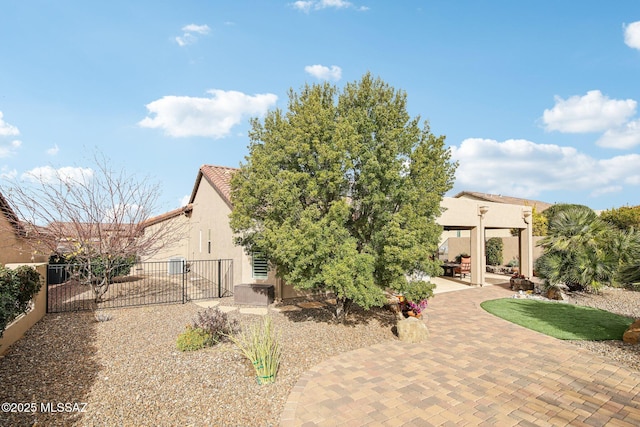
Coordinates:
(475, 370)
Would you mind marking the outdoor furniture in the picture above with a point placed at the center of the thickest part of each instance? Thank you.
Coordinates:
(449, 268)
(464, 268)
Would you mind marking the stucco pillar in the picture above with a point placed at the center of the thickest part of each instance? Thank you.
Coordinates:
(526, 245)
(477, 255)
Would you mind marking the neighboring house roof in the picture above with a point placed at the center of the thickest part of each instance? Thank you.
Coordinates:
(185, 210)
(11, 216)
(220, 179)
(72, 229)
(498, 198)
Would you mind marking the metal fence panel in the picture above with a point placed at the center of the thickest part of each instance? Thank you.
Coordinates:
(175, 281)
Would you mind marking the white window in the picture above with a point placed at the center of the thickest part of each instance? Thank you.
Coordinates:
(260, 267)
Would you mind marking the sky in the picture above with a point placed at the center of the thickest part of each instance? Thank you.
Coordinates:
(537, 100)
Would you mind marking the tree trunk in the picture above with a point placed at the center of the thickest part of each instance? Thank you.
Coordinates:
(100, 288)
(343, 305)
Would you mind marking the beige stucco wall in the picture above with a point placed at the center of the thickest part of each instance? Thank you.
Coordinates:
(16, 330)
(209, 224)
(177, 241)
(458, 245)
(13, 248)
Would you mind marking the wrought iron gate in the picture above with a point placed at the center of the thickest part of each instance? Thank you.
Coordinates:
(173, 281)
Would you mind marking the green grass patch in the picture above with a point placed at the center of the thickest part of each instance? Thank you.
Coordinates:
(560, 320)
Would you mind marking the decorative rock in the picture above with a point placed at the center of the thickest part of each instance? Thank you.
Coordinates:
(632, 334)
(412, 330)
(521, 284)
(555, 293)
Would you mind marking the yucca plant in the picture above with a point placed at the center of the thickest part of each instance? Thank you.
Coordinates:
(260, 345)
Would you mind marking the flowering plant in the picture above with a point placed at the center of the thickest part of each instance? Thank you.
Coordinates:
(417, 308)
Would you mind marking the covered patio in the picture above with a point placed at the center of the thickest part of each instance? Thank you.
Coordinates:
(479, 216)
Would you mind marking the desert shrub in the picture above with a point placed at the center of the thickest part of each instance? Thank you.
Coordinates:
(260, 345)
(624, 217)
(418, 291)
(494, 251)
(17, 288)
(194, 339)
(216, 323)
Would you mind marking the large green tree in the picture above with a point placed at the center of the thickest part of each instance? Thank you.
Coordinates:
(341, 192)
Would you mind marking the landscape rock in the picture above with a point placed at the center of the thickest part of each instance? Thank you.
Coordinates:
(632, 334)
(521, 284)
(412, 330)
(555, 293)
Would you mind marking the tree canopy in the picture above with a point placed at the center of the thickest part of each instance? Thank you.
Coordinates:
(341, 192)
(97, 218)
(624, 217)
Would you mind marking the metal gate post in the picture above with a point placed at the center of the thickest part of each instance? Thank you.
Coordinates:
(184, 282)
(219, 278)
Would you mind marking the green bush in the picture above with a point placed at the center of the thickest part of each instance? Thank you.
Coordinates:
(194, 339)
(259, 344)
(17, 288)
(494, 251)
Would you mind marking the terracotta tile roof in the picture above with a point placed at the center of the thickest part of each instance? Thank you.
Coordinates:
(168, 215)
(498, 198)
(220, 179)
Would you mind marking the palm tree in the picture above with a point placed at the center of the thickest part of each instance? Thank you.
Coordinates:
(577, 250)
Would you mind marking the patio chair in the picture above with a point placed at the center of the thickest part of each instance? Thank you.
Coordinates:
(464, 268)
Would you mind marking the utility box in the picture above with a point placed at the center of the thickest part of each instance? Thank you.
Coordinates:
(253, 294)
(176, 266)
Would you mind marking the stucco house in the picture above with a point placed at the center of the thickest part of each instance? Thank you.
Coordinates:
(457, 240)
(14, 248)
(208, 235)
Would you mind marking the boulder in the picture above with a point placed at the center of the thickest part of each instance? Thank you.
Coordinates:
(521, 284)
(555, 293)
(412, 330)
(632, 334)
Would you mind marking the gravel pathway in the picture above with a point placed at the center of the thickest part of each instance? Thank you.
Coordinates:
(128, 371)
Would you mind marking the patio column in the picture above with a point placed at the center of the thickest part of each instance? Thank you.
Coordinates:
(526, 245)
(477, 255)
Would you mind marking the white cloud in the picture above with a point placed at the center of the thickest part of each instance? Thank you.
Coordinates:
(68, 175)
(193, 28)
(5, 173)
(184, 116)
(307, 5)
(184, 201)
(590, 113)
(6, 129)
(53, 150)
(188, 36)
(606, 190)
(624, 137)
(525, 169)
(632, 35)
(324, 73)
(10, 150)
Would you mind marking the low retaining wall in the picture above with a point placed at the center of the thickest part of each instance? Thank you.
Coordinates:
(16, 330)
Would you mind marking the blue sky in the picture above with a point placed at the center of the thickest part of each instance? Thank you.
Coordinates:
(536, 99)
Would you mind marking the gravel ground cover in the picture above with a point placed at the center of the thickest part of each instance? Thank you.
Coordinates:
(615, 300)
(128, 371)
